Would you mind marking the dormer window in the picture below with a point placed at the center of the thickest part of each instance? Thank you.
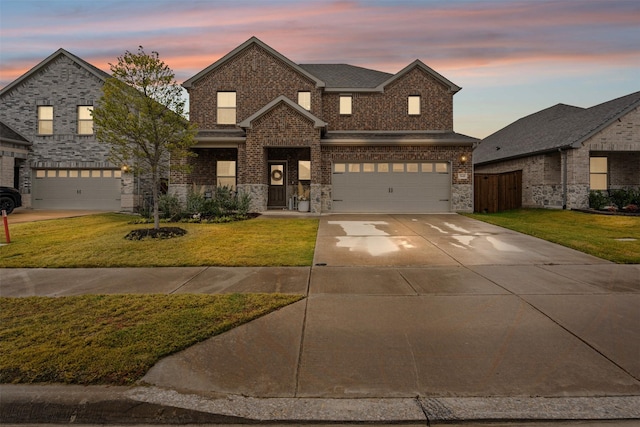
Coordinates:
(304, 100)
(414, 105)
(345, 104)
(226, 108)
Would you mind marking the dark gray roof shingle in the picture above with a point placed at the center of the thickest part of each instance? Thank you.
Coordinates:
(560, 126)
(346, 76)
(6, 133)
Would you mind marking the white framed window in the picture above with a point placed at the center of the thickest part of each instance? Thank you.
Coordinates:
(345, 104)
(45, 120)
(339, 167)
(226, 173)
(304, 170)
(85, 120)
(414, 105)
(304, 100)
(598, 170)
(226, 108)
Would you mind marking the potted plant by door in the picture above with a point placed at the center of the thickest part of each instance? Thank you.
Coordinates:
(303, 198)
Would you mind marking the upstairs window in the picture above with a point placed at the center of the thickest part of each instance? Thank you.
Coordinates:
(45, 120)
(414, 105)
(226, 108)
(85, 120)
(345, 104)
(304, 100)
(598, 173)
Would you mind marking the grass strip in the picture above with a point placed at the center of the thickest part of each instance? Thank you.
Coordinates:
(98, 241)
(593, 234)
(113, 339)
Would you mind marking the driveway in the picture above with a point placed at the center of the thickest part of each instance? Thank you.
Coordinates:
(29, 215)
(430, 240)
(432, 305)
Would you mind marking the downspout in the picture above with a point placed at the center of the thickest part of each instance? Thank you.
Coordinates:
(563, 157)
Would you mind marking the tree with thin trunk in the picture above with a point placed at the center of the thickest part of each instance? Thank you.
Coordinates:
(141, 115)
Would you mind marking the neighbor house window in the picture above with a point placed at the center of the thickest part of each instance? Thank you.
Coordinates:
(304, 170)
(598, 173)
(304, 100)
(414, 105)
(226, 173)
(45, 120)
(85, 120)
(226, 108)
(345, 104)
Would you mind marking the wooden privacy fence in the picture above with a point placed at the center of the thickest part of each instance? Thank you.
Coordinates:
(495, 192)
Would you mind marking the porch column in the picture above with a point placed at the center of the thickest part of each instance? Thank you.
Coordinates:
(316, 179)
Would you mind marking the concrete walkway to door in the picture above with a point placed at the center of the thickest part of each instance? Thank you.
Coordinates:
(414, 318)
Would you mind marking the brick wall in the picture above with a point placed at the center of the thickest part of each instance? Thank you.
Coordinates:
(257, 78)
(64, 85)
(282, 126)
(389, 110)
(331, 154)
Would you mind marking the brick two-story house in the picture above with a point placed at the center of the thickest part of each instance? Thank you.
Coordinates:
(354, 139)
(49, 149)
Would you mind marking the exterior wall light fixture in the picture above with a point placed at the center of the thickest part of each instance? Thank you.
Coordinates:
(463, 159)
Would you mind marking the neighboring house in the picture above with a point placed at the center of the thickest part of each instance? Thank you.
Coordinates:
(14, 149)
(47, 129)
(355, 139)
(563, 152)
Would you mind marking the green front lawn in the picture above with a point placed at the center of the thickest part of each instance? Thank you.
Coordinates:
(113, 339)
(590, 233)
(98, 241)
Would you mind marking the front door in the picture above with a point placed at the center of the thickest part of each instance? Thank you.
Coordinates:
(277, 185)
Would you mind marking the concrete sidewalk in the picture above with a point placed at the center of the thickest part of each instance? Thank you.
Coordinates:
(408, 319)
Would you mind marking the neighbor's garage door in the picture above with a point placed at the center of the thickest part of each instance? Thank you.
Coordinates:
(76, 189)
(410, 187)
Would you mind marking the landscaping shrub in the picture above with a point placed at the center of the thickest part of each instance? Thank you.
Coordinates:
(626, 199)
(598, 199)
(224, 205)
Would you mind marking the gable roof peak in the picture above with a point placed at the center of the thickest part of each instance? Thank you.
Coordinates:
(253, 40)
(419, 64)
(248, 122)
(102, 75)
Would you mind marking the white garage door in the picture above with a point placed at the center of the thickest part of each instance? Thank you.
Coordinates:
(76, 189)
(400, 187)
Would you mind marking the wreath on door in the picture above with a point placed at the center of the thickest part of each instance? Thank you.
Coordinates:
(276, 175)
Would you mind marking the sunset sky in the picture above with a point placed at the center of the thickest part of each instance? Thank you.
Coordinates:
(511, 57)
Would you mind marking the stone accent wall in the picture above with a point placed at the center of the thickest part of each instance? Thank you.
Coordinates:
(462, 197)
(389, 110)
(259, 194)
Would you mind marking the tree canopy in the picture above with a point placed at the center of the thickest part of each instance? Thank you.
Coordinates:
(141, 115)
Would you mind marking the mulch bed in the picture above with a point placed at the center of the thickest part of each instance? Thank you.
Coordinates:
(156, 233)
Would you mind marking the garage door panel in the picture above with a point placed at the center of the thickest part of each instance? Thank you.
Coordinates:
(56, 190)
(394, 187)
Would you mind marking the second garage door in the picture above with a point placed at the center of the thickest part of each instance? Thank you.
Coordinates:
(77, 189)
(391, 187)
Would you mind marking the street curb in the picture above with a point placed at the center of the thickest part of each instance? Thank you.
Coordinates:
(152, 405)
